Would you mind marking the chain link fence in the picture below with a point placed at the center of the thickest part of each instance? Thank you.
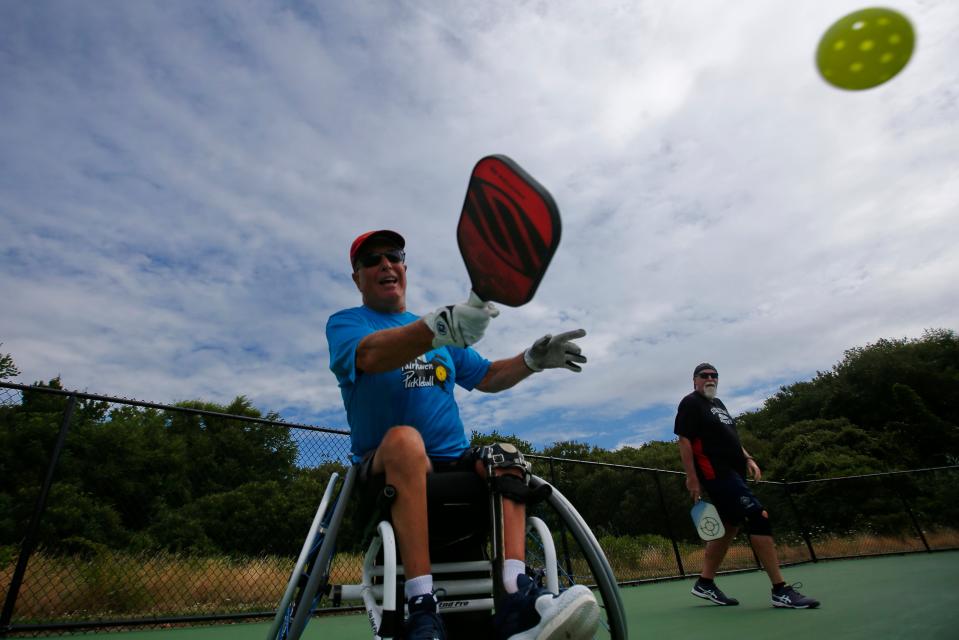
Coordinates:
(121, 513)
(116, 512)
(641, 516)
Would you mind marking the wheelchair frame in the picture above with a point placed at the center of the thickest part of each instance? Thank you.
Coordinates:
(384, 605)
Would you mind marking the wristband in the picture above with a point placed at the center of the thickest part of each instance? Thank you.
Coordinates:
(528, 359)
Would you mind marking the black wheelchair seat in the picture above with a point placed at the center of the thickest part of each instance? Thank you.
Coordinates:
(458, 513)
(457, 506)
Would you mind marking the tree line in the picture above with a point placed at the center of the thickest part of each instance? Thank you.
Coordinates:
(145, 479)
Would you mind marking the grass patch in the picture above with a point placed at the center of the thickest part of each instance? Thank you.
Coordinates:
(122, 585)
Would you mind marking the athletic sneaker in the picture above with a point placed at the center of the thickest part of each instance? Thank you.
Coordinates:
(709, 591)
(533, 613)
(788, 597)
(423, 622)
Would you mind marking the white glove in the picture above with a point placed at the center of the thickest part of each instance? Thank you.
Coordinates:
(460, 325)
(553, 352)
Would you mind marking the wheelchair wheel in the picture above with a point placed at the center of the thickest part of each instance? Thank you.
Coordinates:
(312, 571)
(585, 563)
(303, 596)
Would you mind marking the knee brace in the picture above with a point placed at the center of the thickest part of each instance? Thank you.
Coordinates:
(503, 455)
(757, 522)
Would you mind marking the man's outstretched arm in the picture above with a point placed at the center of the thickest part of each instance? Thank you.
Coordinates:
(503, 374)
(549, 352)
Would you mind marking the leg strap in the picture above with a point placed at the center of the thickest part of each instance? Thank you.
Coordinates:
(503, 455)
(512, 487)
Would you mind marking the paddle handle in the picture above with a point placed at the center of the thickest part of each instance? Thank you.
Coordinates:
(475, 300)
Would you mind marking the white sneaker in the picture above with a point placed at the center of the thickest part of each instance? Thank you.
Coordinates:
(533, 613)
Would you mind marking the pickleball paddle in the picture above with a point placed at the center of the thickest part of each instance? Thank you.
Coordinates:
(508, 231)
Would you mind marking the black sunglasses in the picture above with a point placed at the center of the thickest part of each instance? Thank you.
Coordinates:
(708, 376)
(373, 259)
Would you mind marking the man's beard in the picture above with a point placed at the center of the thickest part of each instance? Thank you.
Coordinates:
(710, 391)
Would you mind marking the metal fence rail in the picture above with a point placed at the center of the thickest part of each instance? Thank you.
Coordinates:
(157, 573)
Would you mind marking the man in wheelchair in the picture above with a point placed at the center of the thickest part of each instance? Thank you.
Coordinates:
(396, 373)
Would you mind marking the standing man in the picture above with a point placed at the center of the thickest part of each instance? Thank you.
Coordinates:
(715, 460)
(396, 372)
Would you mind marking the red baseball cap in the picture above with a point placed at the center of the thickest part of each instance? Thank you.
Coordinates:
(384, 234)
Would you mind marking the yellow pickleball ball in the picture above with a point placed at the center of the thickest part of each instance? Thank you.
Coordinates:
(865, 48)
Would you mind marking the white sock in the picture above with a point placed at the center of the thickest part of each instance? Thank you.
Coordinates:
(512, 569)
(419, 586)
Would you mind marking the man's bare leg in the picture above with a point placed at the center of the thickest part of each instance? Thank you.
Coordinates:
(514, 525)
(514, 518)
(715, 552)
(402, 457)
(574, 613)
(766, 550)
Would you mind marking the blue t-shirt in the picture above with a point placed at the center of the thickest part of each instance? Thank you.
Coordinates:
(418, 394)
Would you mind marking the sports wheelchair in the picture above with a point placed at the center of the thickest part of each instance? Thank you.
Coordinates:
(466, 525)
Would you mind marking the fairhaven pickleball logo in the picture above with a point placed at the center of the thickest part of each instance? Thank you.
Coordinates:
(710, 527)
(419, 373)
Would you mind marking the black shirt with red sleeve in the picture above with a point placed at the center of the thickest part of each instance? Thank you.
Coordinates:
(712, 432)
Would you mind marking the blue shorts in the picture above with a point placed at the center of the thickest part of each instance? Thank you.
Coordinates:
(736, 504)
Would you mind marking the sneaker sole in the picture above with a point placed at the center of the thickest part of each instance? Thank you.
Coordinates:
(577, 618)
(713, 600)
(781, 605)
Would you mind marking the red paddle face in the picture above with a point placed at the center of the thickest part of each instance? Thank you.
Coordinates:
(508, 231)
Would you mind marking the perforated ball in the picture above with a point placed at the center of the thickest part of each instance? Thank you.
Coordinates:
(865, 48)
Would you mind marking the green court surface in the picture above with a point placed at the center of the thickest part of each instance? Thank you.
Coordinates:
(909, 596)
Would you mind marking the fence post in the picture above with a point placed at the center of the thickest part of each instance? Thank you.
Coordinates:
(569, 563)
(30, 540)
(669, 529)
(912, 516)
(802, 525)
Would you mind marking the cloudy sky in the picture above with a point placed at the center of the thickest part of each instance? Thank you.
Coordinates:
(180, 183)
